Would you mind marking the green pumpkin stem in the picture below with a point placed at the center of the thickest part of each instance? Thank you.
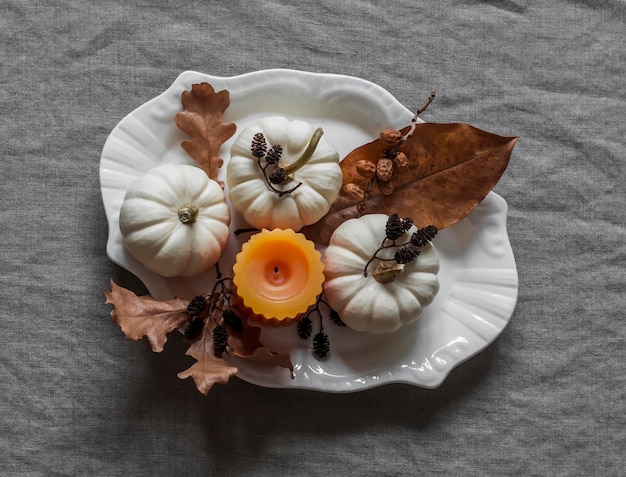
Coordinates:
(282, 174)
(307, 154)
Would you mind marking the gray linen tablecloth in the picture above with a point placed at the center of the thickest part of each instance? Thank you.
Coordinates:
(547, 398)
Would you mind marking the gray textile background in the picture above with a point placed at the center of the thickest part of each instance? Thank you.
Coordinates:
(547, 398)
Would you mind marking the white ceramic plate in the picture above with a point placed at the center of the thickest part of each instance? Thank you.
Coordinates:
(478, 275)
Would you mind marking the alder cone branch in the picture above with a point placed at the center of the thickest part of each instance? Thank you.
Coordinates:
(451, 169)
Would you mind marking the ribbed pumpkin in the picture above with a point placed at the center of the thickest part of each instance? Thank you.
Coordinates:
(175, 220)
(252, 196)
(364, 303)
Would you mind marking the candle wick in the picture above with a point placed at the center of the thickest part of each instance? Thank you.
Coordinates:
(275, 269)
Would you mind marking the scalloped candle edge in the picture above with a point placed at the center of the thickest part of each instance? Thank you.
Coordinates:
(264, 310)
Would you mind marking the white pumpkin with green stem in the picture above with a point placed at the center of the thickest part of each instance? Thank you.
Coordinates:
(175, 220)
(364, 284)
(288, 180)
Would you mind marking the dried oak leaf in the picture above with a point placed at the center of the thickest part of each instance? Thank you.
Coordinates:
(264, 355)
(451, 169)
(202, 118)
(245, 344)
(208, 368)
(140, 316)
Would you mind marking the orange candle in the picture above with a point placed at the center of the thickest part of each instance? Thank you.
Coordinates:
(278, 274)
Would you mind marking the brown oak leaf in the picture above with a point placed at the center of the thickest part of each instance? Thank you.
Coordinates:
(264, 355)
(451, 169)
(202, 119)
(245, 344)
(208, 368)
(140, 316)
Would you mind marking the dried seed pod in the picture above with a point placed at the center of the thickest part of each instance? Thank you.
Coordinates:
(423, 235)
(401, 161)
(406, 254)
(259, 145)
(391, 138)
(321, 345)
(386, 188)
(220, 340)
(278, 176)
(354, 192)
(232, 319)
(195, 327)
(305, 328)
(394, 229)
(196, 306)
(367, 169)
(274, 154)
(384, 169)
(336, 319)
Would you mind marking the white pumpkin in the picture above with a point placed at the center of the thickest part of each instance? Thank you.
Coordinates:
(161, 226)
(364, 303)
(252, 195)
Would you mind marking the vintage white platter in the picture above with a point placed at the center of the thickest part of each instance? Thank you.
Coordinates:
(478, 275)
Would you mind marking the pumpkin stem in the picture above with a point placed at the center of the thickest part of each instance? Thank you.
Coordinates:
(188, 214)
(306, 155)
(283, 173)
(386, 272)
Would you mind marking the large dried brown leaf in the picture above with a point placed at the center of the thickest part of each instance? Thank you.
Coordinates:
(202, 119)
(208, 368)
(140, 316)
(452, 168)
